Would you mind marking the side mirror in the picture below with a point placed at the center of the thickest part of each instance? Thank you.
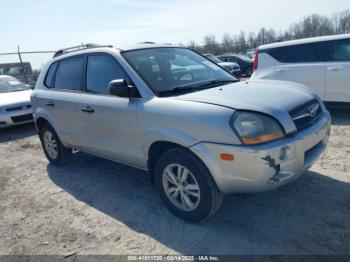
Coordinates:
(121, 88)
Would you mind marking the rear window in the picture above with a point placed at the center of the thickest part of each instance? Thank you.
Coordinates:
(339, 50)
(69, 74)
(50, 74)
(297, 53)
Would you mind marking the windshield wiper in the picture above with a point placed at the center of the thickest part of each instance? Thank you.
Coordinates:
(178, 89)
(196, 86)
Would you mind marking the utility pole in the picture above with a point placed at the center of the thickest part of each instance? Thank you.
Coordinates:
(22, 65)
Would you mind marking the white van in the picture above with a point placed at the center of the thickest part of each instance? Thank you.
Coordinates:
(321, 63)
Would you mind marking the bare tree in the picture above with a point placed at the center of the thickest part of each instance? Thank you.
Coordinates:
(344, 22)
(192, 44)
(252, 40)
(211, 45)
(309, 26)
(227, 43)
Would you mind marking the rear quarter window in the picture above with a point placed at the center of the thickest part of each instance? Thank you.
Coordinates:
(297, 53)
(49, 75)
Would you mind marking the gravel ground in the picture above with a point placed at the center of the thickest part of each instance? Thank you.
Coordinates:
(95, 206)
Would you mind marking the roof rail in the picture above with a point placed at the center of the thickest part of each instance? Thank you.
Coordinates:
(77, 48)
(147, 42)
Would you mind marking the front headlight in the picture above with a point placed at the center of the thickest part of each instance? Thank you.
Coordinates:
(255, 128)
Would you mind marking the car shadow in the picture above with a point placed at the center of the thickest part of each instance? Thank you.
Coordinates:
(309, 216)
(17, 132)
(340, 115)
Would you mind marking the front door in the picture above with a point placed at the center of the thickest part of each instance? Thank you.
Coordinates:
(110, 122)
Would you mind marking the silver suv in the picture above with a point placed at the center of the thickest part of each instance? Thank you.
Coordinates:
(198, 131)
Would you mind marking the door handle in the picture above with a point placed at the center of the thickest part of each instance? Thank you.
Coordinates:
(88, 110)
(50, 103)
(334, 68)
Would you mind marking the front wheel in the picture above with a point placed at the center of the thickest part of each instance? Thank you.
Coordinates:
(186, 185)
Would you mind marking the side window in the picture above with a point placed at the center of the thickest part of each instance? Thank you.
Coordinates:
(101, 69)
(339, 50)
(222, 58)
(232, 59)
(297, 53)
(69, 74)
(49, 76)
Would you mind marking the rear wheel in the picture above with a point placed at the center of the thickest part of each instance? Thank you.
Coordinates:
(54, 150)
(186, 186)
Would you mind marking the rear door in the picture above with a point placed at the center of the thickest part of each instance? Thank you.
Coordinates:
(302, 64)
(61, 99)
(111, 123)
(338, 71)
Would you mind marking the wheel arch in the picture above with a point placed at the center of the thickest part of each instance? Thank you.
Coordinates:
(156, 150)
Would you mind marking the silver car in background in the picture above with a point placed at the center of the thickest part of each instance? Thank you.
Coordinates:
(197, 130)
(15, 106)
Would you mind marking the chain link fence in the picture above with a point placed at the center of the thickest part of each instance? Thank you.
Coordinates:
(24, 65)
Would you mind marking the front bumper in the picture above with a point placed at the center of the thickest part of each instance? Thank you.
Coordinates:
(15, 117)
(261, 168)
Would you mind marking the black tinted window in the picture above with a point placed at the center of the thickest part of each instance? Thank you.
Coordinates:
(102, 69)
(50, 74)
(339, 50)
(69, 74)
(297, 53)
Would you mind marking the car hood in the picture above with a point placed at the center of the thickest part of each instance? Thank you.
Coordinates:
(275, 98)
(13, 98)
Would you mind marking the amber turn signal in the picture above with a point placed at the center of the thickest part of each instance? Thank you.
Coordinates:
(227, 157)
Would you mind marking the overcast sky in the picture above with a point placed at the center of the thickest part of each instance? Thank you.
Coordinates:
(43, 24)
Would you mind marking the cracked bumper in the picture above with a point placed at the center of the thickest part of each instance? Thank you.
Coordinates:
(260, 168)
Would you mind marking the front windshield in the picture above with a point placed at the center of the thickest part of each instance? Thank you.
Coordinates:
(170, 70)
(213, 58)
(11, 84)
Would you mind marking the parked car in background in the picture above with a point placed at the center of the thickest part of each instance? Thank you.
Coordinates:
(232, 68)
(250, 54)
(15, 106)
(321, 63)
(245, 64)
(197, 130)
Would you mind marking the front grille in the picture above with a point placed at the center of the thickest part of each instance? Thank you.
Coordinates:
(2, 123)
(306, 114)
(22, 118)
(16, 108)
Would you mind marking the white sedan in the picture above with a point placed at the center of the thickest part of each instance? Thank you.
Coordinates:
(15, 106)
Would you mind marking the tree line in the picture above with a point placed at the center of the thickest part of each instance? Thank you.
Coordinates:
(310, 26)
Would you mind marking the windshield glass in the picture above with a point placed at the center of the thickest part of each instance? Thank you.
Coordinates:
(11, 84)
(175, 70)
(244, 58)
(213, 58)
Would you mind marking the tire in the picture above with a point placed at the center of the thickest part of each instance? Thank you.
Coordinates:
(198, 176)
(62, 153)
